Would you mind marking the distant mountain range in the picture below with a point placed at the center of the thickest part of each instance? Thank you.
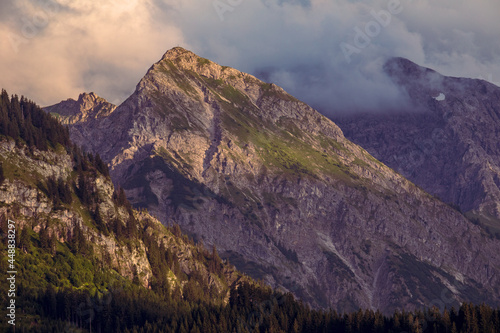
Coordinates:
(448, 143)
(280, 191)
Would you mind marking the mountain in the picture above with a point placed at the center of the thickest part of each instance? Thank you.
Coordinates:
(85, 261)
(284, 196)
(447, 143)
(82, 252)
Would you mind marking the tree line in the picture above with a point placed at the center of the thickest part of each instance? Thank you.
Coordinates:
(251, 309)
(25, 122)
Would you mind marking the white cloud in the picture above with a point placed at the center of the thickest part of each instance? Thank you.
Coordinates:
(84, 45)
(107, 46)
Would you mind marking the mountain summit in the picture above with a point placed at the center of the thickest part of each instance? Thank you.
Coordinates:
(87, 107)
(281, 192)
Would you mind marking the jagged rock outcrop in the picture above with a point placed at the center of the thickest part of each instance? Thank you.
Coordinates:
(284, 195)
(447, 143)
(88, 107)
(83, 115)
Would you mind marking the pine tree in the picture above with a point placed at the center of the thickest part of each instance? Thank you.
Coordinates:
(2, 177)
(24, 240)
(176, 230)
(64, 191)
(3, 224)
(99, 221)
(50, 301)
(101, 166)
(215, 262)
(52, 190)
(445, 319)
(121, 197)
(454, 328)
(45, 242)
(131, 228)
(84, 189)
(78, 243)
(118, 228)
(296, 327)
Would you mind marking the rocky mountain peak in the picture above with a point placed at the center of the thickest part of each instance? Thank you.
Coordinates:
(183, 85)
(177, 52)
(181, 59)
(88, 106)
(88, 98)
(402, 71)
(275, 185)
(403, 66)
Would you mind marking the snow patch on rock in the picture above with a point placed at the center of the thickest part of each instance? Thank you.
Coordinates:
(440, 97)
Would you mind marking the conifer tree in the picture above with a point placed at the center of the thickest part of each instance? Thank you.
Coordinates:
(64, 191)
(24, 240)
(2, 176)
(45, 242)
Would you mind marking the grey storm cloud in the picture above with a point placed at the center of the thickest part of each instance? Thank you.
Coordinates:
(329, 53)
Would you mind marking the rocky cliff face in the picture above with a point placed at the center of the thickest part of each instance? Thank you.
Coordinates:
(275, 185)
(447, 144)
(23, 200)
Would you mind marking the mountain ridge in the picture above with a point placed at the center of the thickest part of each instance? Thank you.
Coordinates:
(275, 185)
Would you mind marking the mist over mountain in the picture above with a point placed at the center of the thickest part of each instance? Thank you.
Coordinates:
(447, 142)
(242, 164)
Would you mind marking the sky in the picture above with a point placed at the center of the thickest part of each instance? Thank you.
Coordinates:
(328, 53)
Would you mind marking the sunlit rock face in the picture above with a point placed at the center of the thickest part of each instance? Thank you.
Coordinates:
(284, 195)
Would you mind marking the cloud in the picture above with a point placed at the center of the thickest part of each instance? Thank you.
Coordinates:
(107, 46)
(56, 50)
